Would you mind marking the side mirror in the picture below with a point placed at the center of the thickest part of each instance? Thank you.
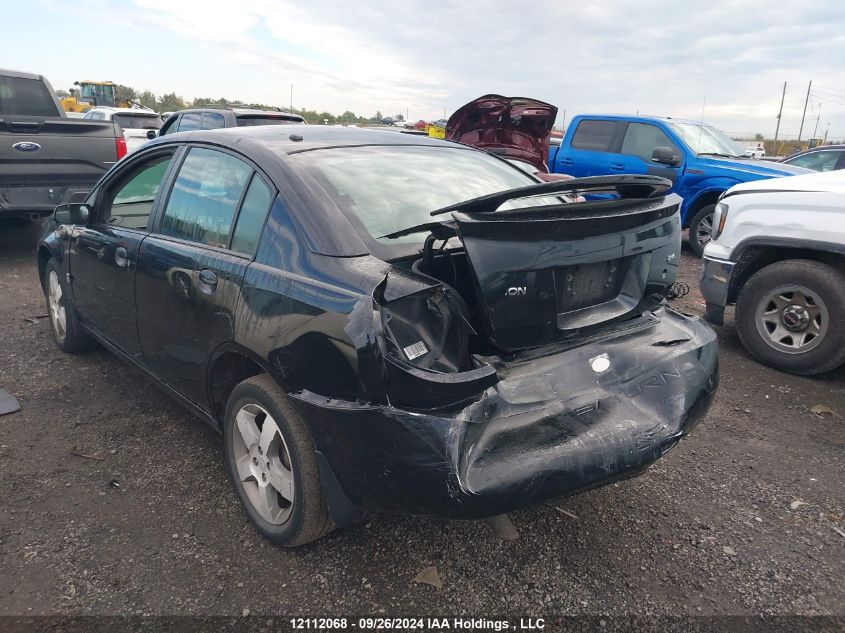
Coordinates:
(151, 134)
(665, 156)
(73, 213)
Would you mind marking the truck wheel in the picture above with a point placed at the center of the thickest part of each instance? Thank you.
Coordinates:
(67, 333)
(701, 228)
(273, 464)
(791, 315)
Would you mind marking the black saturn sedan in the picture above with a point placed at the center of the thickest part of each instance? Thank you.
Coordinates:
(384, 322)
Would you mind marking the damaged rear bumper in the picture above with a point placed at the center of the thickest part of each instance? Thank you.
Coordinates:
(552, 426)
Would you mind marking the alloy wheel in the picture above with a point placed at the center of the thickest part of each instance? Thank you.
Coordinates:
(792, 319)
(263, 464)
(704, 230)
(55, 299)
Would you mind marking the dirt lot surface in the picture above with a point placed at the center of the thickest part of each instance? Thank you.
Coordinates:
(744, 517)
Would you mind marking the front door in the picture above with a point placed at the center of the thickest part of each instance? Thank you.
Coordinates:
(190, 270)
(104, 253)
(638, 145)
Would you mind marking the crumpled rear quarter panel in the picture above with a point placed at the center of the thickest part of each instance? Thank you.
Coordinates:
(551, 427)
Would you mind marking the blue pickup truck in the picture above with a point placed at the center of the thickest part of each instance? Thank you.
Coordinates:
(701, 160)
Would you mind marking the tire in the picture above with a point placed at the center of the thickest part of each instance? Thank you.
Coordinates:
(64, 324)
(287, 457)
(775, 328)
(700, 228)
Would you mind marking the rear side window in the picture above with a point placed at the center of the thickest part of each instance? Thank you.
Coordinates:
(642, 138)
(594, 135)
(22, 96)
(251, 218)
(190, 121)
(205, 195)
(212, 121)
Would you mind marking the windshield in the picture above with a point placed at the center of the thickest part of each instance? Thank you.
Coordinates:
(384, 189)
(138, 121)
(267, 120)
(706, 139)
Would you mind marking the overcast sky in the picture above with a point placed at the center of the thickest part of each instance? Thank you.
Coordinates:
(428, 57)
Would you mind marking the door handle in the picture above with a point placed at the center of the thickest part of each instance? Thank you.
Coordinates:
(121, 256)
(617, 166)
(207, 281)
(565, 161)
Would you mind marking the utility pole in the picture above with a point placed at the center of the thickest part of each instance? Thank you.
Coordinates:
(801, 129)
(291, 98)
(563, 121)
(817, 121)
(826, 130)
(777, 129)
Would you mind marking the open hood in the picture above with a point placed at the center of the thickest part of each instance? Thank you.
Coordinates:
(513, 127)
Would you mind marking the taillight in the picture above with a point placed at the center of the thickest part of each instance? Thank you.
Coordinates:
(120, 146)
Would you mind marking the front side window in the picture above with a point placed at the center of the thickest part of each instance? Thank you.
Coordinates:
(594, 135)
(128, 202)
(817, 161)
(642, 138)
(384, 189)
(170, 126)
(205, 195)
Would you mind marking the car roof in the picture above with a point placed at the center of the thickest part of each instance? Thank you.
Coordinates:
(238, 111)
(640, 117)
(8, 72)
(294, 139)
(818, 148)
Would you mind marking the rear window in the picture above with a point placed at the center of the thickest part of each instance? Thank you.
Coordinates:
(594, 135)
(268, 120)
(22, 96)
(138, 121)
(384, 189)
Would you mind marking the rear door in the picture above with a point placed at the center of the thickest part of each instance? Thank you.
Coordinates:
(638, 143)
(104, 254)
(191, 269)
(588, 153)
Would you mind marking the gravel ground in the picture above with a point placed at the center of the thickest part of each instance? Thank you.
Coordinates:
(744, 517)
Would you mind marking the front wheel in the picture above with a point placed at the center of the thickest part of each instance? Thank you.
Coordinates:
(701, 229)
(67, 333)
(791, 315)
(273, 464)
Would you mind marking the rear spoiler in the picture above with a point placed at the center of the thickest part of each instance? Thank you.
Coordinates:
(637, 187)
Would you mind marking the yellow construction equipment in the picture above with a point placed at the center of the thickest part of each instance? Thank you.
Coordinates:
(91, 94)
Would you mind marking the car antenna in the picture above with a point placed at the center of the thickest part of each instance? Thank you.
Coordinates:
(701, 126)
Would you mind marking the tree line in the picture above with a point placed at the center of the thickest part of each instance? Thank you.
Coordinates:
(172, 102)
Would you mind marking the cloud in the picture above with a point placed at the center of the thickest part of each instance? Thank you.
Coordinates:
(427, 56)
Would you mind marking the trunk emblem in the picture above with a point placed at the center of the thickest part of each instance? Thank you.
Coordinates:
(26, 146)
(516, 291)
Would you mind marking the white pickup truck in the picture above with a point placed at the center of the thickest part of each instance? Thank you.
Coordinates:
(778, 253)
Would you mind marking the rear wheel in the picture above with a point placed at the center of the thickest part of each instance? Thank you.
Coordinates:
(67, 333)
(273, 464)
(791, 315)
(701, 229)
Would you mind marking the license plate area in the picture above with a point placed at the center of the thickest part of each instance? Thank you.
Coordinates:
(583, 285)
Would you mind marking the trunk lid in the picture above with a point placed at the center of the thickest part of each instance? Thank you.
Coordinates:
(547, 273)
(513, 127)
